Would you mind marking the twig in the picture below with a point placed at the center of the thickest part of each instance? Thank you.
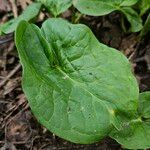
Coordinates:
(10, 75)
(1, 77)
(2, 142)
(14, 8)
(6, 38)
(5, 102)
(14, 108)
(3, 41)
(45, 145)
(131, 56)
(32, 142)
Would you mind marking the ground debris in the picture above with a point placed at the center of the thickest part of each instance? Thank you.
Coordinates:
(24, 3)
(5, 6)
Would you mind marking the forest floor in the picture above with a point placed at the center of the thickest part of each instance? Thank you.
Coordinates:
(19, 129)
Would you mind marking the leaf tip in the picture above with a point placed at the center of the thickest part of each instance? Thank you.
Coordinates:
(20, 30)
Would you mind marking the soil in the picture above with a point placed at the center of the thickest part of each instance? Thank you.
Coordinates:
(19, 129)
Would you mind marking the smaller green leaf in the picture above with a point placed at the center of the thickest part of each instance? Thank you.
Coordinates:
(128, 2)
(56, 7)
(144, 102)
(146, 27)
(6, 26)
(136, 134)
(101, 7)
(94, 7)
(28, 14)
(133, 18)
(143, 6)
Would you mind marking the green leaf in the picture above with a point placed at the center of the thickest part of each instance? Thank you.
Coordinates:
(4, 28)
(56, 7)
(28, 14)
(133, 18)
(94, 7)
(128, 2)
(76, 86)
(144, 102)
(101, 7)
(136, 134)
(146, 28)
(143, 6)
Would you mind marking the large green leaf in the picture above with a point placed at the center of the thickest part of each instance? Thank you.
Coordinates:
(76, 86)
(56, 6)
(28, 14)
(101, 7)
(136, 134)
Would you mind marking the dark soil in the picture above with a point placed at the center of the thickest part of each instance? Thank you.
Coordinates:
(19, 129)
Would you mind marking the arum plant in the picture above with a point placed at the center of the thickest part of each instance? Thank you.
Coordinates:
(103, 7)
(98, 8)
(87, 7)
(136, 133)
(80, 89)
(56, 7)
(29, 14)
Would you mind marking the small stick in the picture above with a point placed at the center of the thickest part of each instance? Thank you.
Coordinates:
(10, 75)
(131, 56)
(6, 38)
(14, 8)
(2, 142)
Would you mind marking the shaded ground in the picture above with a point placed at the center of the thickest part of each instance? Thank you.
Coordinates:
(18, 127)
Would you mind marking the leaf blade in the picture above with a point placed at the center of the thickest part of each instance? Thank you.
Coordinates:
(94, 8)
(65, 100)
(28, 14)
(133, 18)
(56, 7)
(37, 81)
(136, 133)
(100, 8)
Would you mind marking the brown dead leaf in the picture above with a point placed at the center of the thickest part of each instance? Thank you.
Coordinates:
(21, 98)
(41, 17)
(15, 105)
(128, 44)
(147, 57)
(4, 6)
(18, 129)
(8, 146)
(110, 34)
(24, 3)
